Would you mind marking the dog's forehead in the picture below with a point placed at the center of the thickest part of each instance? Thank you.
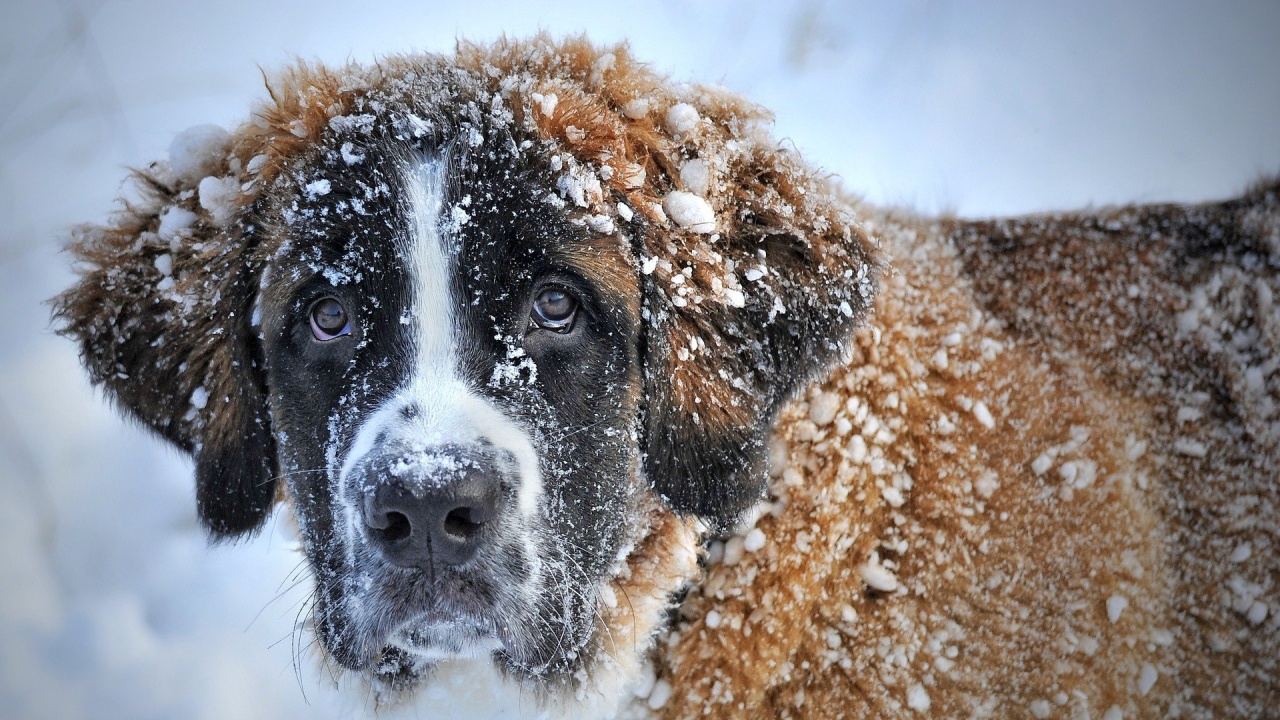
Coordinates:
(503, 206)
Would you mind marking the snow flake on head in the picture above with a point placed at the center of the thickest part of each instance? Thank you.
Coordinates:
(175, 222)
(198, 152)
(219, 197)
(682, 118)
(579, 185)
(690, 212)
(316, 189)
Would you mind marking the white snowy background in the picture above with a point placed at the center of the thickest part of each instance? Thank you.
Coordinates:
(112, 605)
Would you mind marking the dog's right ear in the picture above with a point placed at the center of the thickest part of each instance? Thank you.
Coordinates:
(162, 314)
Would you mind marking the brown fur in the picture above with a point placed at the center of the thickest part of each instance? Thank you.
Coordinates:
(1004, 574)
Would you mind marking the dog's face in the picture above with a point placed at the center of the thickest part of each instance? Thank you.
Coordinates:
(452, 370)
(484, 336)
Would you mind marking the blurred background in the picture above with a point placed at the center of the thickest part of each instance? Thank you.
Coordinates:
(112, 605)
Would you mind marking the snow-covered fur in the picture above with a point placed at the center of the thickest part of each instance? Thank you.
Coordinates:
(1037, 477)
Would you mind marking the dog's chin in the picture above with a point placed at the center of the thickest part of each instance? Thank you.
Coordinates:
(405, 656)
(407, 621)
(415, 650)
(437, 639)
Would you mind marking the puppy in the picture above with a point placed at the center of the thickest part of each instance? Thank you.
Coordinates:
(578, 382)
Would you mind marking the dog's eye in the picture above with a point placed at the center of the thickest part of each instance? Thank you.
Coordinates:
(329, 319)
(554, 309)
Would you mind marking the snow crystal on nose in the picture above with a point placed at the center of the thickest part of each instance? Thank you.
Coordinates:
(401, 466)
(428, 464)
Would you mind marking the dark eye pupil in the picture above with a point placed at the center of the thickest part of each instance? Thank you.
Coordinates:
(554, 310)
(329, 315)
(555, 305)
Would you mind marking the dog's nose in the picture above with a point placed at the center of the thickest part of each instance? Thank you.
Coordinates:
(434, 518)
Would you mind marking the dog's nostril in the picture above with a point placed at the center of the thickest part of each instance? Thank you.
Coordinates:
(397, 527)
(461, 523)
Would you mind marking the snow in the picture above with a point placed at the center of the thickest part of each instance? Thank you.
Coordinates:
(734, 548)
(644, 686)
(1191, 447)
(198, 152)
(199, 398)
(546, 103)
(1116, 605)
(1256, 613)
(681, 118)
(579, 185)
(734, 298)
(602, 224)
(1147, 677)
(636, 109)
(983, 415)
(1241, 553)
(986, 485)
(218, 196)
(660, 695)
(876, 576)
(893, 496)
(1042, 463)
(918, 698)
(174, 222)
(690, 212)
(316, 188)
(1189, 414)
(823, 408)
(696, 176)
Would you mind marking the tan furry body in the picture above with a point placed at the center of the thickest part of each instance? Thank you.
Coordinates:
(1004, 574)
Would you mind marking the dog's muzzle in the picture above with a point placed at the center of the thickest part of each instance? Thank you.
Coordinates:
(431, 508)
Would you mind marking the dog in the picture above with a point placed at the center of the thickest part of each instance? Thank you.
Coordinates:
(577, 382)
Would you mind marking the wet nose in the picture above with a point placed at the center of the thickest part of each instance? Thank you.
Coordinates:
(432, 518)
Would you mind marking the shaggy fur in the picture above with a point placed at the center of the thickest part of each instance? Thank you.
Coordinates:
(1039, 481)
(1058, 436)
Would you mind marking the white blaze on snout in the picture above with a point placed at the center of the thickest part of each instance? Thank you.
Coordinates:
(445, 410)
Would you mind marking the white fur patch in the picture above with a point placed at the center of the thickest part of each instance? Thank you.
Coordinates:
(466, 688)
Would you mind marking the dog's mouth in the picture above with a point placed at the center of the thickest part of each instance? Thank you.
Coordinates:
(431, 618)
(521, 610)
(438, 636)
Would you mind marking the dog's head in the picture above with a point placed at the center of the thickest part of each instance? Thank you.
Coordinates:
(486, 321)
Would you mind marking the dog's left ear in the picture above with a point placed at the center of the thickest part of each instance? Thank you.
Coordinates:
(162, 314)
(741, 311)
